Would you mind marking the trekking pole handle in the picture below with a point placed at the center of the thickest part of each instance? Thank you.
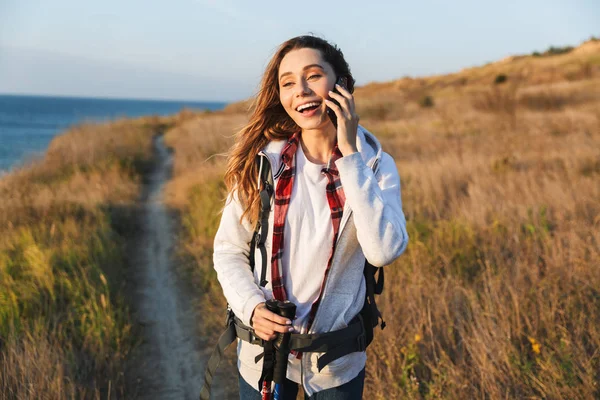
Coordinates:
(287, 309)
(265, 392)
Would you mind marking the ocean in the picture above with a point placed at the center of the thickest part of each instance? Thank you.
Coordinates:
(28, 123)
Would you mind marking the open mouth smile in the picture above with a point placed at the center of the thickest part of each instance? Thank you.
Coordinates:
(309, 109)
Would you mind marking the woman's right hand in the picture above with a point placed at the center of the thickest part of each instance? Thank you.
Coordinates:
(267, 324)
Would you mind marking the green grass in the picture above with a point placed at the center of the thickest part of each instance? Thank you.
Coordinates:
(65, 325)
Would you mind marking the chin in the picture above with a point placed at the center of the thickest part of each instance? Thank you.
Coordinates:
(309, 125)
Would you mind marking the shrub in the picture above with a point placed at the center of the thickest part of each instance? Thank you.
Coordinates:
(426, 101)
(553, 51)
(558, 50)
(500, 78)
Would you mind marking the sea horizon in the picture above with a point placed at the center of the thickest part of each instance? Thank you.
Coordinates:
(28, 122)
(91, 97)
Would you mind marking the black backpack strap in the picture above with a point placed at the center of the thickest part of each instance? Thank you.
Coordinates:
(225, 340)
(334, 344)
(370, 313)
(235, 328)
(262, 227)
(355, 337)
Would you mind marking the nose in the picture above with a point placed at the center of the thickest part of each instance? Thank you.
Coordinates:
(302, 88)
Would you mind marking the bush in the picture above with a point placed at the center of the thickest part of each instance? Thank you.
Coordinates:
(426, 101)
(553, 51)
(500, 78)
(558, 50)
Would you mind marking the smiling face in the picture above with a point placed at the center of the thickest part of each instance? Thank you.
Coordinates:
(305, 79)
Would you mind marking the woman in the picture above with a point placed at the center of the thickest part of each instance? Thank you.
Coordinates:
(337, 201)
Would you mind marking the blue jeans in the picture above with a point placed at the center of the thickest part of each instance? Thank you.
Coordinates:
(348, 391)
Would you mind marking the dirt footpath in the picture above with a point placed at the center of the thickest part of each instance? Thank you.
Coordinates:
(170, 362)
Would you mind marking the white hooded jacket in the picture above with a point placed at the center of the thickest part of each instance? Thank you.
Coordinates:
(373, 226)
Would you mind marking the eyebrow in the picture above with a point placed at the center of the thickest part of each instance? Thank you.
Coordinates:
(303, 69)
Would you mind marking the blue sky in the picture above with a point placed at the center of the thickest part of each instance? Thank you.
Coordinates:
(217, 50)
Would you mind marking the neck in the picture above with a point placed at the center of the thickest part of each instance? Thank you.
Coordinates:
(317, 144)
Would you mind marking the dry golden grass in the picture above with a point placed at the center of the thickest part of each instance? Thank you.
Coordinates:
(65, 328)
(497, 295)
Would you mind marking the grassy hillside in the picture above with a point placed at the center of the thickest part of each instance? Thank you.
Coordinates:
(65, 327)
(497, 295)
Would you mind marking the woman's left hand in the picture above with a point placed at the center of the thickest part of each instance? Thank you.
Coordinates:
(347, 119)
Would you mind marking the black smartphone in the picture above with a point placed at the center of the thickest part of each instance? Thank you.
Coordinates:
(343, 82)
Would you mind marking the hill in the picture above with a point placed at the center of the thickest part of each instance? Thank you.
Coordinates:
(497, 294)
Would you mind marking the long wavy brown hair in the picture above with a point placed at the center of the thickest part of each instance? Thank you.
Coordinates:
(269, 121)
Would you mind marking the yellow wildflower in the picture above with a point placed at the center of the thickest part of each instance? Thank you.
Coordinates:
(418, 338)
(535, 346)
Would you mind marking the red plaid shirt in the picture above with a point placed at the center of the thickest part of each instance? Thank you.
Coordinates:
(283, 194)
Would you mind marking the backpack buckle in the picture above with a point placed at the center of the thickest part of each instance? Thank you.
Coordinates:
(255, 339)
(229, 316)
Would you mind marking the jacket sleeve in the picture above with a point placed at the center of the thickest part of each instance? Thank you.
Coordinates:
(230, 257)
(376, 204)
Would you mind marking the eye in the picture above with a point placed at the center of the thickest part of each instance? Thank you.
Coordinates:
(287, 84)
(314, 76)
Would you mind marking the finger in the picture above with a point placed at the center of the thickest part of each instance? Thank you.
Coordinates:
(270, 337)
(336, 109)
(265, 336)
(341, 99)
(344, 102)
(264, 331)
(349, 97)
(270, 327)
(271, 316)
(343, 91)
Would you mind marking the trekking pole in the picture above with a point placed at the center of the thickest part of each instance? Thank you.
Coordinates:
(273, 306)
(287, 309)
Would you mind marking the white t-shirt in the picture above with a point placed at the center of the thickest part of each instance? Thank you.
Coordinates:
(304, 266)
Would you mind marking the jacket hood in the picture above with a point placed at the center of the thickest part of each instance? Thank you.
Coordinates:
(367, 144)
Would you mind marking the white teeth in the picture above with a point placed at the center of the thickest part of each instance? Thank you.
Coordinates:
(303, 106)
